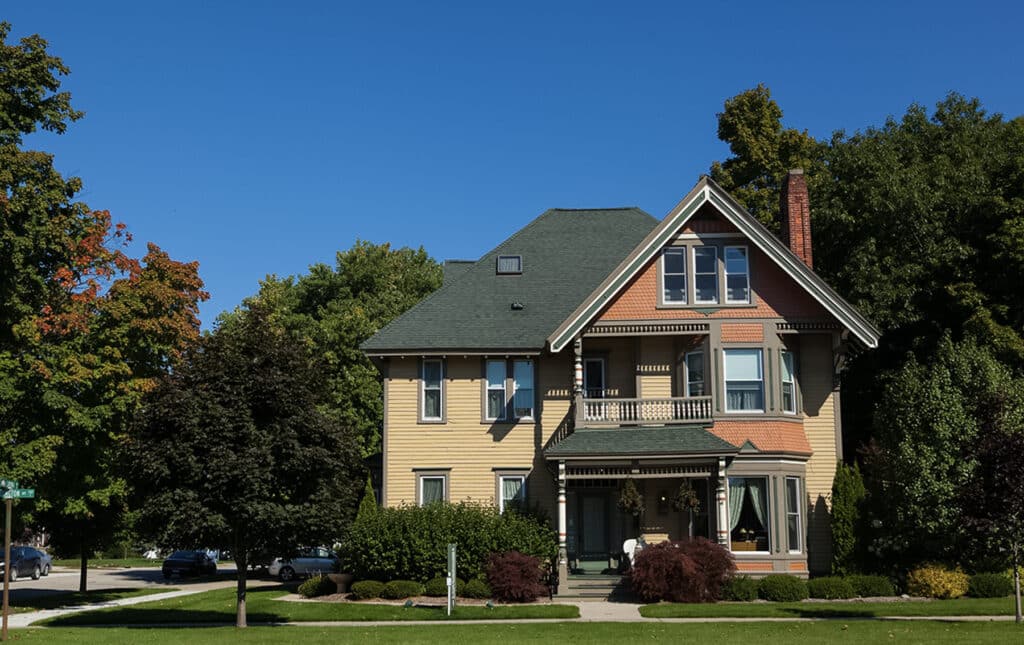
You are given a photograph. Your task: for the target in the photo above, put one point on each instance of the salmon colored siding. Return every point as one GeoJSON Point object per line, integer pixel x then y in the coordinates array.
{"type": "Point", "coordinates": [742, 333]}
{"type": "Point", "coordinates": [767, 436]}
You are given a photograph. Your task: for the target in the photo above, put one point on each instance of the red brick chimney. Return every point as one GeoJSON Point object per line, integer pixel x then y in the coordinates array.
{"type": "Point", "coordinates": [795, 210]}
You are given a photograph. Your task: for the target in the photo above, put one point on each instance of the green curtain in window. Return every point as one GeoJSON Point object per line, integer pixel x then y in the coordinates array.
{"type": "Point", "coordinates": [758, 499]}
{"type": "Point", "coordinates": [737, 488]}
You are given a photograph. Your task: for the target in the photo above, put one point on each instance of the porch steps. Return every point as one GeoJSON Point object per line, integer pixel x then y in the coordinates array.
{"type": "Point", "coordinates": [592, 586]}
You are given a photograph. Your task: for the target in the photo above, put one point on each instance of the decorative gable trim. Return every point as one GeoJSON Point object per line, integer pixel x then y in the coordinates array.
{"type": "Point", "coordinates": [708, 191]}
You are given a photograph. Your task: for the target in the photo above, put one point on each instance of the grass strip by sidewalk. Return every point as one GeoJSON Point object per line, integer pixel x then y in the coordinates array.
{"type": "Point", "coordinates": [218, 606]}
{"type": "Point", "coordinates": [73, 598]}
{"type": "Point", "coordinates": [837, 632]}
{"type": "Point", "coordinates": [837, 609]}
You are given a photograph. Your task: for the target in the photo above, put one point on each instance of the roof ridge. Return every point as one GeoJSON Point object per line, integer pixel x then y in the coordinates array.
{"type": "Point", "coordinates": [603, 208]}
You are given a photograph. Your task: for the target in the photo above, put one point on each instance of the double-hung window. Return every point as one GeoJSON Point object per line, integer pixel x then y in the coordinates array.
{"type": "Point", "coordinates": [695, 374]}
{"type": "Point", "coordinates": [673, 275]}
{"type": "Point", "coordinates": [496, 400]}
{"type": "Point", "coordinates": [512, 492]}
{"type": "Point", "coordinates": [737, 275]}
{"type": "Point", "coordinates": [744, 380]}
{"type": "Point", "coordinates": [522, 397]}
{"type": "Point", "coordinates": [788, 384]}
{"type": "Point", "coordinates": [432, 488]}
{"type": "Point", "coordinates": [794, 527]}
{"type": "Point", "coordinates": [432, 395]}
{"type": "Point", "coordinates": [705, 274]}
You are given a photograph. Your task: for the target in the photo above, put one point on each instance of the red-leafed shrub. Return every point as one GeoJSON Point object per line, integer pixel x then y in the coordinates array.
{"type": "Point", "coordinates": [692, 571]}
{"type": "Point", "coordinates": [515, 577]}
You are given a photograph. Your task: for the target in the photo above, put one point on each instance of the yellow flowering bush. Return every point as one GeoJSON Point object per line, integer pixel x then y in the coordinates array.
{"type": "Point", "coordinates": [937, 581]}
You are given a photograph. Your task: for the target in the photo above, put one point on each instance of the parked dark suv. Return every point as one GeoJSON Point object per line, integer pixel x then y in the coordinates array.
{"type": "Point", "coordinates": [189, 563]}
{"type": "Point", "coordinates": [26, 562]}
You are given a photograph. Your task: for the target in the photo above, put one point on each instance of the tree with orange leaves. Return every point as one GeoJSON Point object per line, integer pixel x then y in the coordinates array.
{"type": "Point", "coordinates": [85, 329]}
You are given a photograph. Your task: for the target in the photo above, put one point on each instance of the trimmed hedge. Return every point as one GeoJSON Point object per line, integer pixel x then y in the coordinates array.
{"type": "Point", "coordinates": [989, 585]}
{"type": "Point", "coordinates": [317, 586]}
{"type": "Point", "coordinates": [937, 581]}
{"type": "Point", "coordinates": [411, 542]}
{"type": "Point", "coordinates": [367, 589]}
{"type": "Point", "coordinates": [740, 588]}
{"type": "Point", "coordinates": [871, 586]}
{"type": "Point", "coordinates": [690, 571]}
{"type": "Point", "coordinates": [477, 589]}
{"type": "Point", "coordinates": [780, 587]}
{"type": "Point", "coordinates": [830, 588]}
{"type": "Point", "coordinates": [399, 589]}
{"type": "Point", "coordinates": [438, 587]}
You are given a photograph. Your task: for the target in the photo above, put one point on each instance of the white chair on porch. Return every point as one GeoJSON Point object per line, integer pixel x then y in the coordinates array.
{"type": "Point", "coordinates": [629, 548]}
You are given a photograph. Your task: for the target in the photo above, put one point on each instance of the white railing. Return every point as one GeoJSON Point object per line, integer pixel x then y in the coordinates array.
{"type": "Point", "coordinates": [629, 411]}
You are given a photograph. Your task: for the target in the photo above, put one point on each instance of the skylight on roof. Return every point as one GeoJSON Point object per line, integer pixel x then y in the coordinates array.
{"type": "Point", "coordinates": [510, 264]}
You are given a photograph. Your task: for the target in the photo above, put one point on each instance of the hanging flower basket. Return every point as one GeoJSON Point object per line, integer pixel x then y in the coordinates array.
{"type": "Point", "coordinates": [630, 499]}
{"type": "Point", "coordinates": [686, 498]}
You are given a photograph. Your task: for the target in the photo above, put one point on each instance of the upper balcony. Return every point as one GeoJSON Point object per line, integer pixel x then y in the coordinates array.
{"type": "Point", "coordinates": [596, 411]}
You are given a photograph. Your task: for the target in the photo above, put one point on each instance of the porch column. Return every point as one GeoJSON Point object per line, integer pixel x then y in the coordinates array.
{"type": "Point", "coordinates": [577, 380]}
{"type": "Point", "coordinates": [723, 505]}
{"type": "Point", "coordinates": [563, 551]}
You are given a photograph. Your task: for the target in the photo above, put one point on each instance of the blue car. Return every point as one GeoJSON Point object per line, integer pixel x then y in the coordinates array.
{"type": "Point", "coordinates": [25, 561]}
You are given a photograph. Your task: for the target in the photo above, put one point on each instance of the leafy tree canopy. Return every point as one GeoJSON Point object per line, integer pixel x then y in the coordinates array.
{"type": "Point", "coordinates": [336, 309]}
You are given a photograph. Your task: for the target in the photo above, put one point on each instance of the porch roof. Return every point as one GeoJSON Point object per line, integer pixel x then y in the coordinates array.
{"type": "Point", "coordinates": [641, 440]}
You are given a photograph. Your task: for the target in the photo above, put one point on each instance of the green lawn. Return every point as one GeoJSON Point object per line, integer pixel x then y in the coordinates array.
{"type": "Point", "coordinates": [905, 633]}
{"type": "Point", "coordinates": [957, 607]}
{"type": "Point", "coordinates": [71, 598]}
{"type": "Point", "coordinates": [219, 607]}
{"type": "Point", "coordinates": [108, 563]}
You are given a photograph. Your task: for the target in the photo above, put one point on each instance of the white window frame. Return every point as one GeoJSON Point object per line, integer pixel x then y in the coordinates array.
{"type": "Point", "coordinates": [424, 389]}
{"type": "Point", "coordinates": [503, 415]}
{"type": "Point", "coordinates": [680, 250]}
{"type": "Point", "coordinates": [794, 513]}
{"type": "Point", "coordinates": [791, 382]}
{"type": "Point", "coordinates": [746, 274]}
{"type": "Point", "coordinates": [516, 388]}
{"type": "Point", "coordinates": [704, 372]}
{"type": "Point", "coordinates": [714, 273]}
{"type": "Point", "coordinates": [425, 476]}
{"type": "Point", "coordinates": [501, 490]}
{"type": "Point", "coordinates": [725, 378]}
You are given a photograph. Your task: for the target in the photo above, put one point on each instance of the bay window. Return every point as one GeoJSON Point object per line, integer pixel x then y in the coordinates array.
{"type": "Point", "coordinates": [749, 514]}
{"type": "Point", "coordinates": [744, 380]}
{"type": "Point", "coordinates": [788, 384]}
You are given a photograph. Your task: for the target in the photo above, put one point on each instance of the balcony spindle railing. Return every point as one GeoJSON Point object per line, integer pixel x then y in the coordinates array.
{"type": "Point", "coordinates": [601, 411]}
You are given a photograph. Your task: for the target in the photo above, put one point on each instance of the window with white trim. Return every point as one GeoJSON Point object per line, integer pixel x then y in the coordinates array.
{"type": "Point", "coordinates": [737, 275]}
{"type": "Point", "coordinates": [695, 374]}
{"type": "Point", "coordinates": [593, 378]}
{"type": "Point", "coordinates": [705, 274]}
{"type": "Point", "coordinates": [432, 394]}
{"type": "Point", "coordinates": [673, 275]}
{"type": "Point", "coordinates": [432, 488]}
{"type": "Point", "coordinates": [744, 380]}
{"type": "Point", "coordinates": [794, 525]}
{"type": "Point", "coordinates": [496, 401]}
{"type": "Point", "coordinates": [512, 489]}
{"type": "Point", "coordinates": [749, 514]}
{"type": "Point", "coordinates": [522, 394]}
{"type": "Point", "coordinates": [788, 384]}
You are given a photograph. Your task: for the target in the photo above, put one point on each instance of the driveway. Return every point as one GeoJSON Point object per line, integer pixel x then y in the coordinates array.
{"type": "Point", "coordinates": [63, 580]}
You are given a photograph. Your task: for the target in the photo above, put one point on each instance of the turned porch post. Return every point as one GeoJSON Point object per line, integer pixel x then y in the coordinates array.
{"type": "Point", "coordinates": [723, 505]}
{"type": "Point", "coordinates": [563, 551]}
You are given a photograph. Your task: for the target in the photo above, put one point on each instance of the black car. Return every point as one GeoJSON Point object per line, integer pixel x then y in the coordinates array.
{"type": "Point", "coordinates": [189, 563]}
{"type": "Point", "coordinates": [26, 562]}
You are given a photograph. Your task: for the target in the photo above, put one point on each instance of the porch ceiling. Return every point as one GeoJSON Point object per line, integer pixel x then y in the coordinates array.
{"type": "Point", "coordinates": [680, 441]}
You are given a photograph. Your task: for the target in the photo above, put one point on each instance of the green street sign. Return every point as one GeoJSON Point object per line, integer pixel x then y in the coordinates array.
{"type": "Point", "coordinates": [8, 483]}
{"type": "Point", "coordinates": [20, 493]}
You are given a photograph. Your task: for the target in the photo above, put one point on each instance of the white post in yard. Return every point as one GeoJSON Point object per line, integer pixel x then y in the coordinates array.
{"type": "Point", "coordinates": [723, 505]}
{"type": "Point", "coordinates": [563, 551]}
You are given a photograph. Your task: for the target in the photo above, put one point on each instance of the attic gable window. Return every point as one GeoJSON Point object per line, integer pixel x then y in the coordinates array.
{"type": "Point", "coordinates": [510, 264]}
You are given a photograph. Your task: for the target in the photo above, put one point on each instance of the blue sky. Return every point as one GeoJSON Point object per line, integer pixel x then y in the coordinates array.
{"type": "Point", "coordinates": [261, 137]}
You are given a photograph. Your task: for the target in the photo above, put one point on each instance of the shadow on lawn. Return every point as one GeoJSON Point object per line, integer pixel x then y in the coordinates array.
{"type": "Point", "coordinates": [827, 612]}
{"type": "Point", "coordinates": [131, 616]}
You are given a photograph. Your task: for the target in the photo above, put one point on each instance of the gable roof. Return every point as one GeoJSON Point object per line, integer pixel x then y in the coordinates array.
{"type": "Point", "coordinates": [566, 254]}
{"type": "Point", "coordinates": [707, 191]}
{"type": "Point", "coordinates": [641, 440]}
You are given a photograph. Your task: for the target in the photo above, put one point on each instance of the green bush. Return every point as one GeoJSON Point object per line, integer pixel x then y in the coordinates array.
{"type": "Point", "coordinates": [438, 587]}
{"type": "Point", "coordinates": [989, 585]}
{"type": "Point", "coordinates": [411, 542]}
{"type": "Point", "coordinates": [780, 587]}
{"type": "Point", "coordinates": [848, 493]}
{"type": "Point", "coordinates": [477, 588]}
{"type": "Point", "coordinates": [871, 586]}
{"type": "Point", "coordinates": [367, 589]}
{"type": "Point", "coordinates": [937, 581]}
{"type": "Point", "coordinates": [830, 588]}
{"type": "Point", "coordinates": [742, 588]}
{"type": "Point", "coordinates": [317, 586]}
{"type": "Point", "coordinates": [398, 589]}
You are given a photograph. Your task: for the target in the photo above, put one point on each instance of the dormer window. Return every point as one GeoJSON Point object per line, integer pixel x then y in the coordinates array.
{"type": "Point", "coordinates": [705, 274]}
{"type": "Point", "coordinates": [510, 264]}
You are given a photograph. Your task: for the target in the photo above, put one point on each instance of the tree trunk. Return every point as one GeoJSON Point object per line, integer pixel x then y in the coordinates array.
{"type": "Point", "coordinates": [1016, 584]}
{"type": "Point", "coordinates": [242, 564]}
{"type": "Point", "coordinates": [83, 576]}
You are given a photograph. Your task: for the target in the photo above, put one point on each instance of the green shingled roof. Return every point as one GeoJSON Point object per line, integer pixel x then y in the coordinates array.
{"type": "Point", "coordinates": [643, 440]}
{"type": "Point", "coordinates": [566, 255]}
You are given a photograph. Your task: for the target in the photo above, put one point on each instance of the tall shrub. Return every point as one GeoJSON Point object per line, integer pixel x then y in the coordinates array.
{"type": "Point", "coordinates": [848, 494]}
{"type": "Point", "coordinates": [693, 571]}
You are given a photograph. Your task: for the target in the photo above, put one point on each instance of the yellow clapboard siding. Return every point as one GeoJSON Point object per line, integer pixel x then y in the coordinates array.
{"type": "Point", "coordinates": [820, 428]}
{"type": "Point", "coordinates": [655, 368]}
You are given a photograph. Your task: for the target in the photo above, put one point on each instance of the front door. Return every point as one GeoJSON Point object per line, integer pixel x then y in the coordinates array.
{"type": "Point", "coordinates": [593, 525]}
